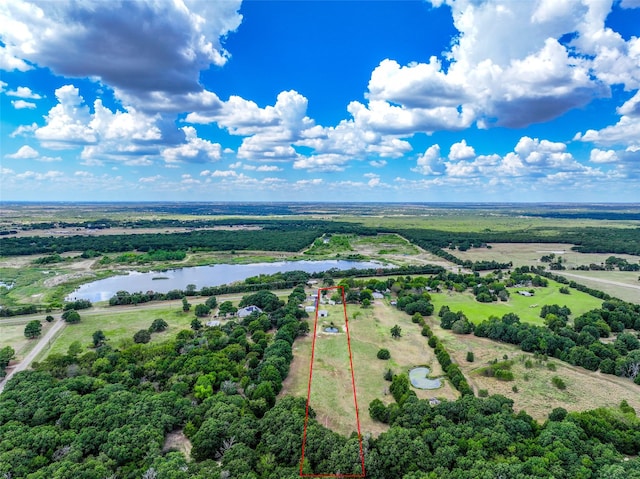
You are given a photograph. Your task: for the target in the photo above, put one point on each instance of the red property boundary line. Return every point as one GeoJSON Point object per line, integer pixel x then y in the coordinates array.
{"type": "Point", "coordinates": [353, 385]}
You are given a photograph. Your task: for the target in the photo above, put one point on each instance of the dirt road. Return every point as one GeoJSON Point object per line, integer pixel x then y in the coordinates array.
{"type": "Point", "coordinates": [601, 280]}
{"type": "Point", "coordinates": [26, 362]}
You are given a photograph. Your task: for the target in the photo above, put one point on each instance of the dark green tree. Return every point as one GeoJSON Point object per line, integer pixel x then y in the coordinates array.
{"type": "Point", "coordinates": [186, 306]}
{"type": "Point", "coordinates": [396, 331]}
{"type": "Point", "coordinates": [98, 338]}
{"type": "Point", "coordinates": [142, 336]}
{"type": "Point", "coordinates": [71, 316]}
{"type": "Point", "coordinates": [33, 329]}
{"type": "Point", "coordinates": [202, 310]}
{"type": "Point", "coordinates": [158, 325]}
{"type": "Point", "coordinates": [196, 324]}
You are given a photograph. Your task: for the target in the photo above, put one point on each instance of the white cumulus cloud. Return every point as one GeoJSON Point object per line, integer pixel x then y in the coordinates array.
{"type": "Point", "coordinates": [138, 48]}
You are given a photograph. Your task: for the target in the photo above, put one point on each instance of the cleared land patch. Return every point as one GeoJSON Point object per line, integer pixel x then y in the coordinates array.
{"type": "Point", "coordinates": [527, 308]}
{"type": "Point", "coordinates": [536, 393]}
{"type": "Point", "coordinates": [370, 331]}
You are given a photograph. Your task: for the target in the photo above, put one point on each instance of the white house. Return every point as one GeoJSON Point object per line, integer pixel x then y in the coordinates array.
{"type": "Point", "coordinates": [244, 312]}
{"type": "Point", "coordinates": [212, 323]}
{"type": "Point", "coordinates": [377, 295]}
{"type": "Point", "coordinates": [309, 309]}
{"type": "Point", "coordinates": [525, 293]}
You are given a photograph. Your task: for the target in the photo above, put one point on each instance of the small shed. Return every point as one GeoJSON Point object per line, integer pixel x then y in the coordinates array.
{"type": "Point", "coordinates": [323, 313]}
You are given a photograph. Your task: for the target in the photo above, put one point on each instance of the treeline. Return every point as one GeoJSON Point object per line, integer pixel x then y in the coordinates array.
{"type": "Point", "coordinates": [452, 370]}
{"type": "Point", "coordinates": [586, 239]}
{"type": "Point", "coordinates": [276, 235]}
{"type": "Point", "coordinates": [293, 235]}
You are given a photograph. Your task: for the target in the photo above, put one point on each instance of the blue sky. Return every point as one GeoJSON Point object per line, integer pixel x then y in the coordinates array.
{"type": "Point", "coordinates": [472, 100]}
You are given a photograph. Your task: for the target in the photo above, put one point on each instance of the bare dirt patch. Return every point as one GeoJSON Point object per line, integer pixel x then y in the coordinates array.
{"type": "Point", "coordinates": [177, 441]}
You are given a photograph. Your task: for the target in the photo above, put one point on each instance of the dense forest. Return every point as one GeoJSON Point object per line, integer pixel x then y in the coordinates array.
{"type": "Point", "coordinates": [105, 413]}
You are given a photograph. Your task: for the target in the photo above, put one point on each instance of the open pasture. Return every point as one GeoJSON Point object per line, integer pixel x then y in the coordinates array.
{"type": "Point", "coordinates": [332, 397]}
{"type": "Point", "coordinates": [118, 324]}
{"type": "Point", "coordinates": [535, 392]}
{"type": "Point", "coordinates": [529, 254]}
{"type": "Point", "coordinates": [527, 308]}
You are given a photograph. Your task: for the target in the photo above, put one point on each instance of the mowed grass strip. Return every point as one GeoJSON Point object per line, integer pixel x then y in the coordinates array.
{"type": "Point", "coordinates": [527, 308]}
{"type": "Point", "coordinates": [332, 396]}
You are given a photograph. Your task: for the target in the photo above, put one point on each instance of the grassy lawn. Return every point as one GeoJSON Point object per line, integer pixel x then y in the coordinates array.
{"type": "Point", "coordinates": [120, 325]}
{"type": "Point", "coordinates": [13, 335]}
{"type": "Point", "coordinates": [536, 393]}
{"type": "Point", "coordinates": [527, 308]}
{"type": "Point", "coordinates": [331, 392]}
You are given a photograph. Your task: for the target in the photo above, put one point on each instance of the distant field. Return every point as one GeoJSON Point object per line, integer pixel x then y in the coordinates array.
{"type": "Point", "coordinates": [527, 308]}
{"type": "Point", "coordinates": [619, 284]}
{"type": "Point", "coordinates": [332, 400]}
{"type": "Point", "coordinates": [530, 253]}
{"type": "Point", "coordinates": [536, 394]}
{"type": "Point", "coordinates": [463, 221]}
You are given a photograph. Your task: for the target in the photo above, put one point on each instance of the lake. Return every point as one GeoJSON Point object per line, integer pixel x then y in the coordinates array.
{"type": "Point", "coordinates": [214, 275]}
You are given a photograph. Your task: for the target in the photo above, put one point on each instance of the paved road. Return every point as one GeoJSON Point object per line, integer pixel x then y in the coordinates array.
{"type": "Point", "coordinates": [26, 362]}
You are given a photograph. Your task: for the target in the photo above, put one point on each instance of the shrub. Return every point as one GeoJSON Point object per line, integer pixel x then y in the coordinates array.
{"type": "Point", "coordinates": [514, 389]}
{"type": "Point", "coordinates": [158, 325]}
{"type": "Point", "coordinates": [142, 336]}
{"type": "Point", "coordinates": [470, 356]}
{"type": "Point", "coordinates": [384, 354]}
{"type": "Point", "coordinates": [388, 376]}
{"type": "Point", "coordinates": [483, 393]}
{"type": "Point", "coordinates": [49, 318]}
{"type": "Point", "coordinates": [504, 375]}
{"type": "Point", "coordinates": [378, 411]}
{"type": "Point", "coordinates": [558, 382]}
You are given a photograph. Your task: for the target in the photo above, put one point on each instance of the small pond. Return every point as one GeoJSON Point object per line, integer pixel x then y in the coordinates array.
{"type": "Point", "coordinates": [419, 379]}
{"type": "Point", "coordinates": [215, 275]}
{"type": "Point", "coordinates": [331, 329]}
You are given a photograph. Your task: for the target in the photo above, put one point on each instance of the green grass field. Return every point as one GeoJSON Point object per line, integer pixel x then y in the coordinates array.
{"type": "Point", "coordinates": [527, 308]}
{"type": "Point", "coordinates": [331, 394]}
{"type": "Point", "coordinates": [13, 335]}
{"type": "Point", "coordinates": [120, 325]}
